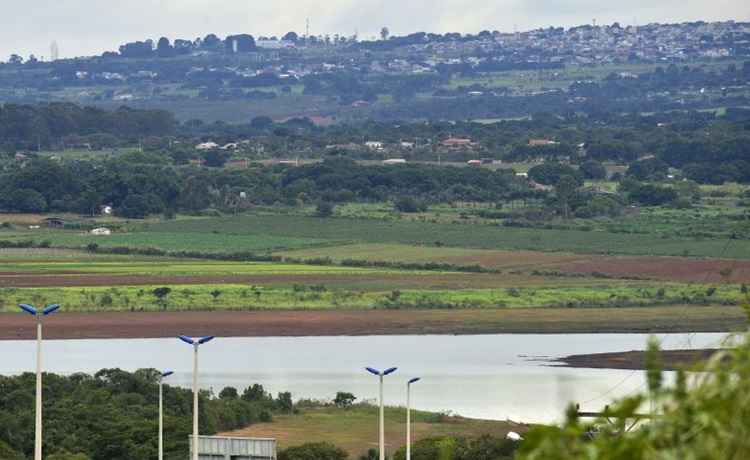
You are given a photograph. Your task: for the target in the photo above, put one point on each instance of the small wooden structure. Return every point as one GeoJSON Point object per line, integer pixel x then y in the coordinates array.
{"type": "Point", "coordinates": [54, 222]}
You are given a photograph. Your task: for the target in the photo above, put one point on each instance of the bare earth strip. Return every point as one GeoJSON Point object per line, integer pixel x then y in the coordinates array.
{"type": "Point", "coordinates": [681, 269]}
{"type": "Point", "coordinates": [665, 268]}
{"type": "Point", "coordinates": [353, 280]}
{"type": "Point", "coordinates": [377, 322]}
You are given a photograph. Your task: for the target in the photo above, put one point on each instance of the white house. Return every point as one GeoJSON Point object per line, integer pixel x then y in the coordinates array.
{"type": "Point", "coordinates": [207, 146]}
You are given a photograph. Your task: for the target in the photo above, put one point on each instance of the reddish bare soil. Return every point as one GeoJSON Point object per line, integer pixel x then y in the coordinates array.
{"type": "Point", "coordinates": [665, 268]}
{"type": "Point", "coordinates": [376, 322]}
{"type": "Point", "coordinates": [352, 280]}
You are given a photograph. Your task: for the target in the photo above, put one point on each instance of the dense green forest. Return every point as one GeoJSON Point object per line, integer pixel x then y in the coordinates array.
{"type": "Point", "coordinates": [139, 184]}
{"type": "Point", "coordinates": [113, 414]}
{"type": "Point", "coordinates": [42, 125]}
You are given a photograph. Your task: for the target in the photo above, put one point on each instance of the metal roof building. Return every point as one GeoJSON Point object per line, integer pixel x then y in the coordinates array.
{"type": "Point", "coordinates": [224, 448]}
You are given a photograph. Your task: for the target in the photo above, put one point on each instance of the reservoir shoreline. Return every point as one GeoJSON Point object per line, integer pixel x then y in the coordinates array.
{"type": "Point", "coordinates": [312, 323]}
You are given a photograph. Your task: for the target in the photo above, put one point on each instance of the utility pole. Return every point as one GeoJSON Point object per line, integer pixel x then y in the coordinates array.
{"type": "Point", "coordinates": [39, 314]}
{"type": "Point", "coordinates": [161, 412]}
{"type": "Point", "coordinates": [195, 343]}
{"type": "Point", "coordinates": [408, 416]}
{"type": "Point", "coordinates": [381, 375]}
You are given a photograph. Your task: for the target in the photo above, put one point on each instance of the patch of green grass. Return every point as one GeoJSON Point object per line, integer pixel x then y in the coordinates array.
{"type": "Point", "coordinates": [356, 429]}
{"type": "Point", "coordinates": [189, 238]}
{"type": "Point", "coordinates": [320, 297]}
{"type": "Point", "coordinates": [424, 254]}
{"type": "Point", "coordinates": [456, 235]}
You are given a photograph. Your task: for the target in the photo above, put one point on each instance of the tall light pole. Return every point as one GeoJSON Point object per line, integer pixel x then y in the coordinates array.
{"type": "Point", "coordinates": [39, 314]}
{"type": "Point", "coordinates": [382, 412]}
{"type": "Point", "coordinates": [161, 412]}
{"type": "Point", "coordinates": [408, 416]}
{"type": "Point", "coordinates": [195, 343]}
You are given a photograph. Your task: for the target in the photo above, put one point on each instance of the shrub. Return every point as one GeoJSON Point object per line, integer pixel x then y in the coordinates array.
{"type": "Point", "coordinates": [324, 209]}
{"type": "Point", "coordinates": [313, 451]}
{"type": "Point", "coordinates": [408, 204]}
{"type": "Point", "coordinates": [161, 294]}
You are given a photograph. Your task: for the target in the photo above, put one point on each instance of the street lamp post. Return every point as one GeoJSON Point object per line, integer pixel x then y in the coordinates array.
{"type": "Point", "coordinates": [39, 314]}
{"type": "Point", "coordinates": [382, 412]}
{"type": "Point", "coordinates": [195, 343]}
{"type": "Point", "coordinates": [408, 416]}
{"type": "Point", "coordinates": [161, 412]}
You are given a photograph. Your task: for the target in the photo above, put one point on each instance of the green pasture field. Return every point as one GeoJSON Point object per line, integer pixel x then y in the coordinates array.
{"type": "Point", "coordinates": [172, 240]}
{"type": "Point", "coordinates": [340, 230]}
{"type": "Point", "coordinates": [533, 80]}
{"type": "Point", "coordinates": [355, 429]}
{"type": "Point", "coordinates": [201, 297]}
{"type": "Point", "coordinates": [20, 257]}
{"type": "Point", "coordinates": [506, 260]}
{"type": "Point", "coordinates": [237, 110]}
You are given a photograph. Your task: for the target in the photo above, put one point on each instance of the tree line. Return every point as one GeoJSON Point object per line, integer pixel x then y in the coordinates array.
{"type": "Point", "coordinates": [44, 125]}
{"type": "Point", "coordinates": [138, 184]}
{"type": "Point", "coordinates": [114, 414]}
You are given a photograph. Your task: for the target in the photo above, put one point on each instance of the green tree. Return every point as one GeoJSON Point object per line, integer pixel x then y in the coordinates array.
{"type": "Point", "coordinates": [28, 200]}
{"type": "Point", "coordinates": [284, 402]}
{"type": "Point", "coordinates": [255, 392]}
{"type": "Point", "coordinates": [229, 393]}
{"type": "Point", "coordinates": [344, 399]}
{"type": "Point", "coordinates": [593, 170]}
{"type": "Point", "coordinates": [161, 294]}
{"type": "Point", "coordinates": [135, 206]}
{"type": "Point", "coordinates": [313, 451]}
{"type": "Point", "coordinates": [565, 191]}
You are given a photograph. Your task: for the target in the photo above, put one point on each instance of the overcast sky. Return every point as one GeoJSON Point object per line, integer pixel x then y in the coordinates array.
{"type": "Point", "coordinates": [85, 27]}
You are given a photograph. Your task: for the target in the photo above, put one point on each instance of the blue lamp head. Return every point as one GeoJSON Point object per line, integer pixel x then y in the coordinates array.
{"type": "Point", "coordinates": [187, 339]}
{"type": "Point", "coordinates": [415, 380]}
{"type": "Point", "coordinates": [390, 371]}
{"type": "Point", "coordinates": [49, 309]}
{"type": "Point", "coordinates": [166, 374]}
{"type": "Point", "coordinates": [372, 370]}
{"type": "Point", "coordinates": [28, 309]}
{"type": "Point", "coordinates": [206, 339]}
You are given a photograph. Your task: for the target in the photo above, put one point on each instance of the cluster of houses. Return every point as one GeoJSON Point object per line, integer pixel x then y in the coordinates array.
{"type": "Point", "coordinates": [290, 61]}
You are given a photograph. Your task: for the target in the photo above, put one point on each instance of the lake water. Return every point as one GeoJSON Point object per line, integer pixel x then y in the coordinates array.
{"type": "Point", "coordinates": [483, 376]}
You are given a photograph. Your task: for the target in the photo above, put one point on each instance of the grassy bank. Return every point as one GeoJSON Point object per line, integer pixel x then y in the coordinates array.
{"type": "Point", "coordinates": [356, 429]}
{"type": "Point", "coordinates": [320, 297]}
